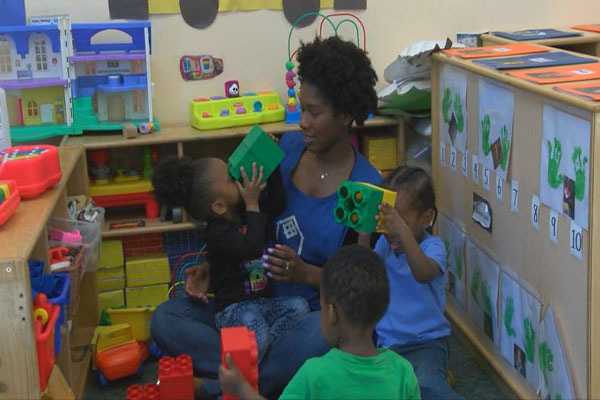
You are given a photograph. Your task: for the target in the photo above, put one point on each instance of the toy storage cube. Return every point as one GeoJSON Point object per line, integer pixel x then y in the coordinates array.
{"type": "Point", "coordinates": [257, 147]}
{"type": "Point", "coordinates": [143, 296]}
{"type": "Point", "coordinates": [138, 319]}
{"type": "Point", "coordinates": [116, 298]}
{"type": "Point", "coordinates": [358, 205]}
{"type": "Point", "coordinates": [147, 269]}
{"type": "Point", "coordinates": [111, 255]}
{"type": "Point", "coordinates": [240, 342]}
{"type": "Point", "coordinates": [381, 151]}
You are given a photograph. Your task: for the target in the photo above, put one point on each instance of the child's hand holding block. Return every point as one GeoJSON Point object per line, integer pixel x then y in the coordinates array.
{"type": "Point", "coordinates": [240, 343]}
{"type": "Point", "coordinates": [256, 147]}
{"type": "Point", "coordinates": [358, 204]}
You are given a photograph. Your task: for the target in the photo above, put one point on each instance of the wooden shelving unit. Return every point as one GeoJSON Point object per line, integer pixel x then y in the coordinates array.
{"type": "Point", "coordinates": [24, 237]}
{"type": "Point", "coordinates": [186, 140]}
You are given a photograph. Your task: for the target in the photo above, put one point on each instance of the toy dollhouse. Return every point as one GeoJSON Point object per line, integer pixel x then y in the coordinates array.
{"type": "Point", "coordinates": [65, 79]}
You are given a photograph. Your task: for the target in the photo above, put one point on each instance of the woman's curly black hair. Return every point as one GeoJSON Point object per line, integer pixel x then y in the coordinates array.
{"type": "Point", "coordinates": [343, 74]}
{"type": "Point", "coordinates": [183, 182]}
{"type": "Point", "coordinates": [355, 280]}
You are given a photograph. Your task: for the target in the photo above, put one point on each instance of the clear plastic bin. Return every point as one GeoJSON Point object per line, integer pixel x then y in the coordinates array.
{"type": "Point", "coordinates": [91, 234]}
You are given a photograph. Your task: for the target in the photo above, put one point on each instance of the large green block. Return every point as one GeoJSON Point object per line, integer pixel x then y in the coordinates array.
{"type": "Point", "coordinates": [256, 147]}
{"type": "Point", "coordinates": [358, 204]}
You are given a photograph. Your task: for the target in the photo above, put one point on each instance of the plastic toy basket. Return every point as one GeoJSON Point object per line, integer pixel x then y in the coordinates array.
{"type": "Point", "coordinates": [75, 270]}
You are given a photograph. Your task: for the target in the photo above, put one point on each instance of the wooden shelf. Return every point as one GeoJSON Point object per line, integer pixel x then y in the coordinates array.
{"type": "Point", "coordinates": [152, 226]}
{"type": "Point", "coordinates": [186, 133]}
{"type": "Point", "coordinates": [81, 340]}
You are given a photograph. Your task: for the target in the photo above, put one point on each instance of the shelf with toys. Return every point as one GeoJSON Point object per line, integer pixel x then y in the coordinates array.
{"type": "Point", "coordinates": [24, 237]}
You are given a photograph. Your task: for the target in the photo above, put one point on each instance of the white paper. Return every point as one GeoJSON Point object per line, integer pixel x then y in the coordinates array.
{"type": "Point", "coordinates": [482, 288]}
{"type": "Point", "coordinates": [485, 179]}
{"type": "Point", "coordinates": [553, 227]}
{"type": "Point", "coordinates": [520, 320]}
{"type": "Point", "coordinates": [453, 158]}
{"type": "Point", "coordinates": [454, 238]}
{"type": "Point", "coordinates": [496, 112]}
{"type": "Point", "coordinates": [499, 188]}
{"type": "Point", "coordinates": [4, 124]}
{"type": "Point", "coordinates": [443, 153]}
{"type": "Point", "coordinates": [465, 164]}
{"type": "Point", "coordinates": [453, 107]}
{"type": "Point", "coordinates": [514, 196]}
{"type": "Point", "coordinates": [576, 240]}
{"type": "Point", "coordinates": [565, 155]}
{"type": "Point", "coordinates": [535, 212]}
{"type": "Point", "coordinates": [475, 168]}
{"type": "Point", "coordinates": [555, 378]}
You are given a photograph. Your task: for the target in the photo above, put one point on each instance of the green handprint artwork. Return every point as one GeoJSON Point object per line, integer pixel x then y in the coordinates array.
{"type": "Point", "coordinates": [457, 262]}
{"type": "Point", "coordinates": [554, 155]}
{"type": "Point", "coordinates": [529, 340]}
{"type": "Point", "coordinates": [505, 144]}
{"type": "Point", "coordinates": [485, 135]}
{"type": "Point", "coordinates": [579, 166]}
{"type": "Point", "coordinates": [546, 360]}
{"type": "Point", "coordinates": [458, 114]}
{"type": "Point", "coordinates": [487, 301]}
{"type": "Point", "coordinates": [446, 103]}
{"type": "Point", "coordinates": [475, 280]}
{"type": "Point", "coordinates": [508, 316]}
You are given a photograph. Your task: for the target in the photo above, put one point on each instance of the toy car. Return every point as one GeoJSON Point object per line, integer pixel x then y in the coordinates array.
{"type": "Point", "coordinates": [117, 354]}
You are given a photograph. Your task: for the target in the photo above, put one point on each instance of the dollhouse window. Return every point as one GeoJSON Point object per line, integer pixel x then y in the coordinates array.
{"type": "Point", "coordinates": [32, 108]}
{"type": "Point", "coordinates": [41, 57]}
{"type": "Point", "coordinates": [90, 68]}
{"type": "Point", "coordinates": [138, 101]}
{"type": "Point", "coordinates": [5, 61]}
{"type": "Point", "coordinates": [136, 66]}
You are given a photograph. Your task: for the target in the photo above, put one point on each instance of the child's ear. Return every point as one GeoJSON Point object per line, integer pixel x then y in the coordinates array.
{"type": "Point", "coordinates": [218, 207]}
{"type": "Point", "coordinates": [332, 314]}
{"type": "Point", "coordinates": [426, 218]}
{"type": "Point", "coordinates": [346, 119]}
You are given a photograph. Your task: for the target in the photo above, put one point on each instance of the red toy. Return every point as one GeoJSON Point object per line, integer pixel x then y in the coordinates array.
{"type": "Point", "coordinates": [240, 342]}
{"type": "Point", "coordinates": [45, 315]}
{"type": "Point", "coordinates": [9, 200]}
{"type": "Point", "coordinates": [147, 392]}
{"type": "Point", "coordinates": [33, 168]}
{"type": "Point", "coordinates": [117, 354]}
{"type": "Point", "coordinates": [175, 377]}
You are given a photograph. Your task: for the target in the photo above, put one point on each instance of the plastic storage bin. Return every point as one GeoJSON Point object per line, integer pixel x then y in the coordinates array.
{"type": "Point", "coordinates": [138, 319]}
{"type": "Point", "coordinates": [44, 328]}
{"type": "Point", "coordinates": [91, 239]}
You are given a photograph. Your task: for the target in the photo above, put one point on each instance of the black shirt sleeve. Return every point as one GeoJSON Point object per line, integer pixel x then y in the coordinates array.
{"type": "Point", "coordinates": [226, 237]}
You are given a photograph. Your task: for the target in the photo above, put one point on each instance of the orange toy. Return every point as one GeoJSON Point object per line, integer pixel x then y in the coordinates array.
{"type": "Point", "coordinates": [175, 378]}
{"type": "Point", "coordinates": [9, 200]}
{"type": "Point", "coordinates": [45, 315]}
{"type": "Point", "coordinates": [117, 355]}
{"type": "Point", "coordinates": [240, 342]}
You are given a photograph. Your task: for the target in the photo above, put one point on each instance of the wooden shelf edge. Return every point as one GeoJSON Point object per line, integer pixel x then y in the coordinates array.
{"type": "Point", "coordinates": [487, 349]}
{"type": "Point", "coordinates": [155, 228]}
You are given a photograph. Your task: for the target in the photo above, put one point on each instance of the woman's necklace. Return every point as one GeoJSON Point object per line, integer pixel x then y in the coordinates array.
{"type": "Point", "coordinates": [324, 175]}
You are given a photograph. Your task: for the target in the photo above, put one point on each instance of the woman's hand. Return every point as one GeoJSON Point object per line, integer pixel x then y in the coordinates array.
{"type": "Point", "coordinates": [285, 265]}
{"type": "Point", "coordinates": [250, 190]}
{"type": "Point", "coordinates": [197, 281]}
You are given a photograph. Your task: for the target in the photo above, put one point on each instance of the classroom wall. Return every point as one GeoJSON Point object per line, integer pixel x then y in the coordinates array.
{"type": "Point", "coordinates": [253, 44]}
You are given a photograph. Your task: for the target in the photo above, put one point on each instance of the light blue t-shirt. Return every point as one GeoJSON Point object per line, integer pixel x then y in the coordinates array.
{"type": "Point", "coordinates": [416, 310]}
{"type": "Point", "coordinates": [307, 224]}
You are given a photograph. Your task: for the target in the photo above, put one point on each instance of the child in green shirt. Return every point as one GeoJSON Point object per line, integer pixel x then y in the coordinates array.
{"type": "Point", "coordinates": [354, 296]}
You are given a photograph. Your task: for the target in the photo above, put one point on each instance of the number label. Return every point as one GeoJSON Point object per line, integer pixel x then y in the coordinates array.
{"type": "Point", "coordinates": [453, 160]}
{"type": "Point", "coordinates": [553, 226]}
{"type": "Point", "coordinates": [475, 168]}
{"type": "Point", "coordinates": [535, 212]}
{"type": "Point", "coordinates": [465, 161]}
{"type": "Point", "coordinates": [514, 201]}
{"type": "Point", "coordinates": [499, 188]}
{"type": "Point", "coordinates": [486, 179]}
{"type": "Point", "coordinates": [576, 239]}
{"type": "Point", "coordinates": [443, 153]}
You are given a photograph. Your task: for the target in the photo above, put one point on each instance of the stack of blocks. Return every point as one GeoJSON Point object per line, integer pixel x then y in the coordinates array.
{"type": "Point", "coordinates": [256, 147]}
{"type": "Point", "coordinates": [240, 343]}
{"type": "Point", "coordinates": [147, 279]}
{"type": "Point", "coordinates": [381, 151]}
{"type": "Point", "coordinates": [358, 204]}
{"type": "Point", "coordinates": [147, 392]}
{"type": "Point", "coordinates": [175, 377]}
{"type": "Point", "coordinates": [111, 276]}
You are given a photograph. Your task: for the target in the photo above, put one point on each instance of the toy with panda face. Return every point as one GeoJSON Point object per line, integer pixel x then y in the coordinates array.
{"type": "Point", "coordinates": [232, 89]}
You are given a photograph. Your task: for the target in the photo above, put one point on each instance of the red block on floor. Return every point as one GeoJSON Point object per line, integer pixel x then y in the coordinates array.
{"type": "Point", "coordinates": [176, 378]}
{"type": "Point", "coordinates": [146, 392]}
{"type": "Point", "coordinates": [240, 342]}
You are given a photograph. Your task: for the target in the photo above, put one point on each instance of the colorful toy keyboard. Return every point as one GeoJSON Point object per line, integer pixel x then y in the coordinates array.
{"type": "Point", "coordinates": [248, 109]}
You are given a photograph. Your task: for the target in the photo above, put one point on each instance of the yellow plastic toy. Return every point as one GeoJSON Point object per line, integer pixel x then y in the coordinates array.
{"type": "Point", "coordinates": [248, 109]}
{"type": "Point", "coordinates": [138, 319]}
{"type": "Point", "coordinates": [149, 269]}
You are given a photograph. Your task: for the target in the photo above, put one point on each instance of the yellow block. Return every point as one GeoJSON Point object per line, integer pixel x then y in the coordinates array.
{"type": "Point", "coordinates": [146, 295]}
{"type": "Point", "coordinates": [108, 285]}
{"type": "Point", "coordinates": [138, 186]}
{"type": "Point", "coordinates": [111, 255]}
{"type": "Point", "coordinates": [110, 273]}
{"type": "Point", "coordinates": [148, 269]}
{"type": "Point", "coordinates": [115, 298]}
{"type": "Point", "coordinates": [380, 150]}
{"type": "Point", "coordinates": [138, 318]}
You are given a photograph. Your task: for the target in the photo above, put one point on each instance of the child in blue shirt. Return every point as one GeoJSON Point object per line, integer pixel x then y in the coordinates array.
{"type": "Point", "coordinates": [414, 325]}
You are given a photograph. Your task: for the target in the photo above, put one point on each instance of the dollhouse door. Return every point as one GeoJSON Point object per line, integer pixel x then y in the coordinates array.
{"type": "Point", "coordinates": [46, 113]}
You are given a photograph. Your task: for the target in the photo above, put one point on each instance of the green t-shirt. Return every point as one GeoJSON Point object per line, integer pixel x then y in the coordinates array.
{"type": "Point", "coordinates": [339, 375]}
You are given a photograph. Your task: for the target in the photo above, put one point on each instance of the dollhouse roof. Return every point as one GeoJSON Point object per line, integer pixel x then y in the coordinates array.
{"type": "Point", "coordinates": [20, 35]}
{"type": "Point", "coordinates": [83, 32]}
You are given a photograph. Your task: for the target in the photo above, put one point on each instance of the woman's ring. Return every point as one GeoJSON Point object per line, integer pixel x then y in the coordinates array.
{"type": "Point", "coordinates": [287, 265]}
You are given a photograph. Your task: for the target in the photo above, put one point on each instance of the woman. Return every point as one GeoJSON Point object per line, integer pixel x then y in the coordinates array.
{"type": "Point", "coordinates": [337, 90]}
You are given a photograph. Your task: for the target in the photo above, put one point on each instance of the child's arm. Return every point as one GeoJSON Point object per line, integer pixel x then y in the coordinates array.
{"type": "Point", "coordinates": [423, 268]}
{"type": "Point", "coordinates": [232, 381]}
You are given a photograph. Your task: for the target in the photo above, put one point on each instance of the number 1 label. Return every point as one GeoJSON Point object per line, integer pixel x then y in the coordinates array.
{"type": "Point", "coordinates": [442, 153]}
